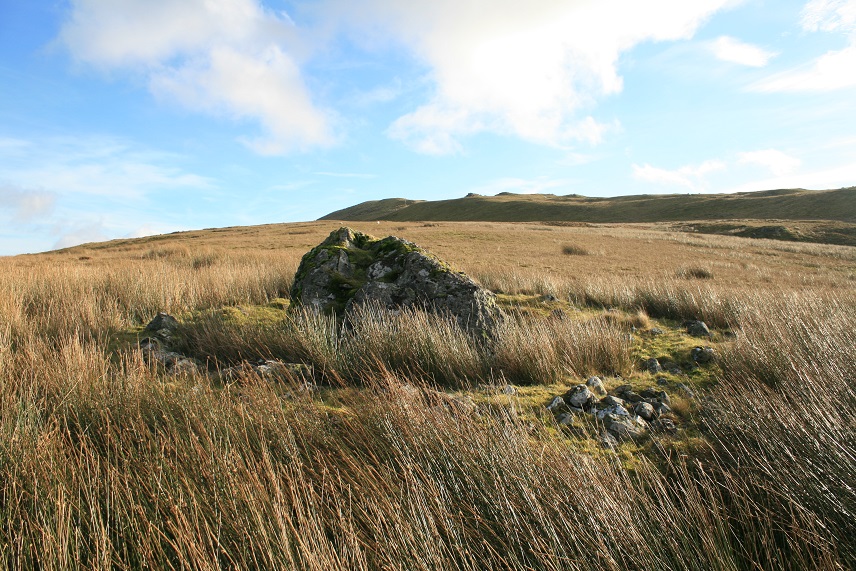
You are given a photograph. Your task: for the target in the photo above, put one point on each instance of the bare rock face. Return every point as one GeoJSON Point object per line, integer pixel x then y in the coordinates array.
{"type": "Point", "coordinates": [350, 269]}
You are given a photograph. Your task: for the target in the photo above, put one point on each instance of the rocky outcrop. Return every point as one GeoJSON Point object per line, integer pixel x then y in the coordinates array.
{"type": "Point", "coordinates": [351, 269]}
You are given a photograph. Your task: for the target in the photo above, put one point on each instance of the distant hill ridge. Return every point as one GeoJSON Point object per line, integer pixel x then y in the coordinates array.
{"type": "Point", "coordinates": [782, 204]}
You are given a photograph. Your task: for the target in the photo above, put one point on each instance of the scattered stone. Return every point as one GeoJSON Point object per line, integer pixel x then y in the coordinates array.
{"type": "Point", "coordinates": [550, 297]}
{"type": "Point", "coordinates": [624, 426]}
{"type": "Point", "coordinates": [610, 400]}
{"type": "Point", "coordinates": [614, 410]}
{"type": "Point", "coordinates": [557, 314]}
{"type": "Point", "coordinates": [662, 381]}
{"type": "Point", "coordinates": [661, 408]}
{"type": "Point", "coordinates": [162, 322]}
{"type": "Point", "coordinates": [580, 397]}
{"type": "Point", "coordinates": [596, 386]}
{"type": "Point", "coordinates": [653, 366]}
{"type": "Point", "coordinates": [565, 418]}
{"type": "Point", "coordinates": [655, 394]}
{"type": "Point", "coordinates": [656, 331]}
{"type": "Point", "coordinates": [644, 410]}
{"type": "Point", "coordinates": [702, 355]}
{"type": "Point", "coordinates": [558, 406]}
{"type": "Point", "coordinates": [509, 390]}
{"type": "Point", "coordinates": [351, 269]}
{"type": "Point", "coordinates": [676, 371]}
{"type": "Point", "coordinates": [621, 389]}
{"type": "Point", "coordinates": [697, 328]}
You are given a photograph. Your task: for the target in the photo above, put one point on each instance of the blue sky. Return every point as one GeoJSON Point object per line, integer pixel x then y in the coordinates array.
{"type": "Point", "coordinates": [122, 118]}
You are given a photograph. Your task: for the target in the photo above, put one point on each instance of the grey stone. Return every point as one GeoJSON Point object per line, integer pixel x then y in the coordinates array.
{"type": "Point", "coordinates": [703, 355]}
{"type": "Point", "coordinates": [624, 427]}
{"type": "Point", "coordinates": [656, 331]}
{"type": "Point", "coordinates": [697, 328]}
{"type": "Point", "coordinates": [610, 400]}
{"type": "Point", "coordinates": [612, 410]}
{"type": "Point", "coordinates": [661, 408]}
{"type": "Point", "coordinates": [558, 406]}
{"type": "Point", "coordinates": [656, 394]}
{"type": "Point", "coordinates": [653, 366]}
{"type": "Point", "coordinates": [579, 396]}
{"type": "Point", "coordinates": [350, 269]}
{"type": "Point", "coordinates": [644, 411]}
{"type": "Point", "coordinates": [162, 322]}
{"type": "Point", "coordinates": [509, 390]}
{"type": "Point", "coordinates": [596, 386]}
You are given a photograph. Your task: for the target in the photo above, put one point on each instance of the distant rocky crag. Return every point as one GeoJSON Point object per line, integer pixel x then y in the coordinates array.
{"type": "Point", "coordinates": [351, 269]}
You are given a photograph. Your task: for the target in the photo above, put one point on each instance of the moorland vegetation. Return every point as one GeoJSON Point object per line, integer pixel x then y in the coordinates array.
{"type": "Point", "coordinates": [414, 445]}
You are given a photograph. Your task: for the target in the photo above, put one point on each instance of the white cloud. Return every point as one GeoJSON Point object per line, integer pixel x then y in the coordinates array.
{"type": "Point", "coordinates": [834, 69]}
{"type": "Point", "coordinates": [523, 69]}
{"type": "Point", "coordinates": [25, 204]}
{"type": "Point", "coordinates": [690, 176]}
{"type": "Point", "coordinates": [776, 161]}
{"type": "Point", "coordinates": [733, 50]}
{"type": "Point", "coordinates": [231, 57]}
{"type": "Point", "coordinates": [818, 179]}
{"type": "Point", "coordinates": [829, 15]}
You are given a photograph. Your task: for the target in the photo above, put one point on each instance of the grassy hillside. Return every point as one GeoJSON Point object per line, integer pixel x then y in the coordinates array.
{"type": "Point", "coordinates": [412, 445]}
{"type": "Point", "coordinates": [792, 204]}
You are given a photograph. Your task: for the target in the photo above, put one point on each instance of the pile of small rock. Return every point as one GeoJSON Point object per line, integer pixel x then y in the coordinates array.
{"type": "Point", "coordinates": [624, 414]}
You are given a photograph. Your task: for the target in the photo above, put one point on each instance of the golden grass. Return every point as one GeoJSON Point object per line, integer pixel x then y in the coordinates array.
{"type": "Point", "coordinates": [107, 463]}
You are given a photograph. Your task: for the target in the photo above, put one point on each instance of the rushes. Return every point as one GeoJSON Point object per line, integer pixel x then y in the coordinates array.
{"type": "Point", "coordinates": [416, 343]}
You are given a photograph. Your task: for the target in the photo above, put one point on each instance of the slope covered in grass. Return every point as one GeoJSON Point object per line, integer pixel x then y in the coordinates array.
{"type": "Point", "coordinates": [792, 204]}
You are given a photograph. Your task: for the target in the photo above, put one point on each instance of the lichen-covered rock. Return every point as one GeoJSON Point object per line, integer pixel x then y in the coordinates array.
{"type": "Point", "coordinates": [351, 269]}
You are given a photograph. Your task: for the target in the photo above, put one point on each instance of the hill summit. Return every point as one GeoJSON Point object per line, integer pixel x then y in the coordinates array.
{"type": "Point", "coordinates": [783, 204]}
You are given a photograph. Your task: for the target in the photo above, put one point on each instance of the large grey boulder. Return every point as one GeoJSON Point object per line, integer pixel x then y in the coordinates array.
{"type": "Point", "coordinates": [351, 269]}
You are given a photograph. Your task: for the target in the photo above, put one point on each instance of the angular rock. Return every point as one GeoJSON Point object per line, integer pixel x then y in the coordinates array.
{"type": "Point", "coordinates": [623, 427]}
{"type": "Point", "coordinates": [351, 269]}
{"type": "Point", "coordinates": [702, 355]}
{"type": "Point", "coordinates": [697, 329]}
{"type": "Point", "coordinates": [162, 321]}
{"type": "Point", "coordinates": [653, 366]}
{"type": "Point", "coordinates": [558, 406]}
{"type": "Point", "coordinates": [596, 386]}
{"type": "Point", "coordinates": [652, 393]}
{"type": "Point", "coordinates": [644, 410]}
{"type": "Point", "coordinates": [610, 400]}
{"type": "Point", "coordinates": [613, 410]}
{"type": "Point", "coordinates": [580, 397]}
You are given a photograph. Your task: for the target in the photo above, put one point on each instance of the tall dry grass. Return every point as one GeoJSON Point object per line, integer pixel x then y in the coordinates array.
{"type": "Point", "coordinates": [107, 464]}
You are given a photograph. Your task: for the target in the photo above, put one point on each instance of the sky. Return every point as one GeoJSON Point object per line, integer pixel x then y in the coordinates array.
{"type": "Point", "coordinates": [127, 118]}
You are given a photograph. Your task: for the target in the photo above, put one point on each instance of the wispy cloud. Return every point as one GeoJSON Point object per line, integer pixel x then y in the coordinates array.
{"type": "Point", "coordinates": [346, 174]}
{"type": "Point", "coordinates": [778, 162]}
{"type": "Point", "coordinates": [25, 204]}
{"type": "Point", "coordinates": [691, 177]}
{"type": "Point", "coordinates": [61, 191]}
{"type": "Point", "coordinates": [733, 50]}
{"type": "Point", "coordinates": [834, 69]}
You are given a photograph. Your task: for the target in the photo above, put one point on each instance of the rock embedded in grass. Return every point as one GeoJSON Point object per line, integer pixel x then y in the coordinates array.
{"type": "Point", "coordinates": [702, 355]}
{"type": "Point", "coordinates": [697, 329]}
{"type": "Point", "coordinates": [351, 269]}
